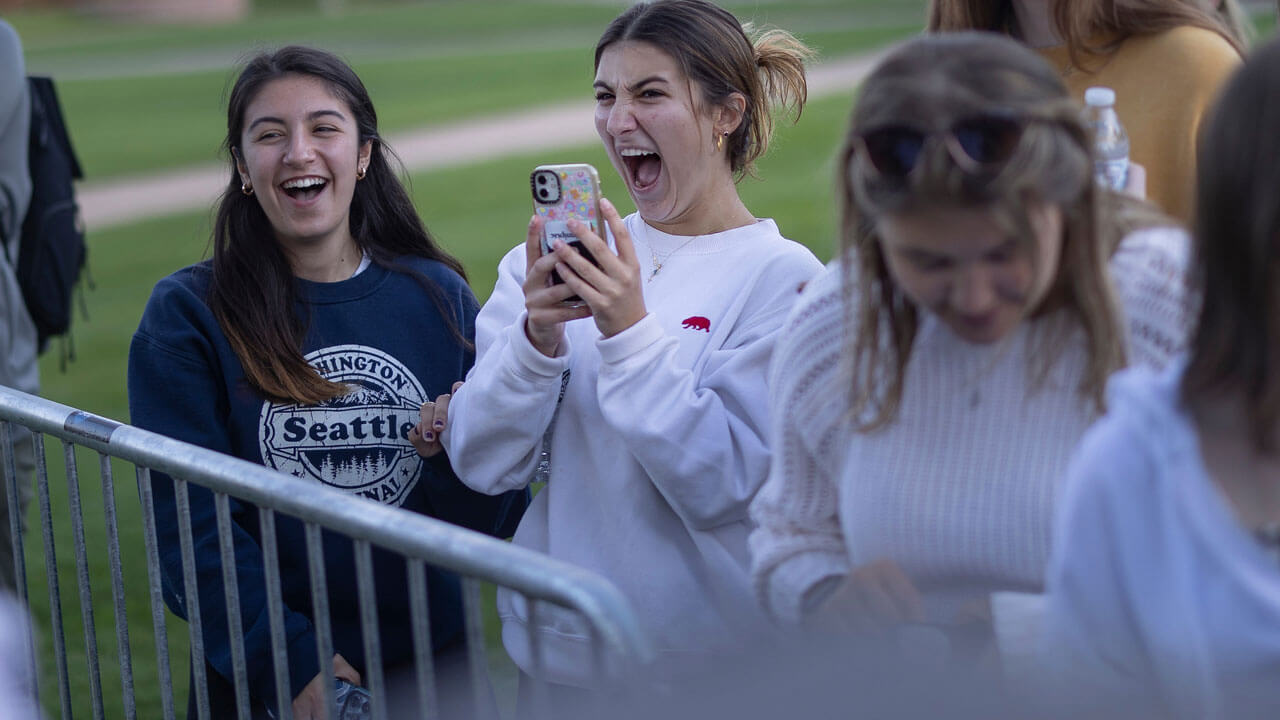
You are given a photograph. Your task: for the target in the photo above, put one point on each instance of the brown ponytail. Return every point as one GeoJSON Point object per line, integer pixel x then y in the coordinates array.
{"type": "Point", "coordinates": [780, 60]}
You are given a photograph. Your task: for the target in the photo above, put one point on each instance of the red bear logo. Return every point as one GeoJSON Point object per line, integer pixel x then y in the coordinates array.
{"type": "Point", "coordinates": [697, 322]}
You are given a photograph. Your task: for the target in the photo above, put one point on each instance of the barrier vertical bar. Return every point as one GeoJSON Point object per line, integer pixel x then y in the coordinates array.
{"type": "Point", "coordinates": [475, 641]}
{"type": "Point", "coordinates": [157, 591]}
{"type": "Point", "coordinates": [51, 572]}
{"type": "Point", "coordinates": [82, 573]}
{"type": "Point", "coordinates": [231, 590]}
{"type": "Point", "coordinates": [14, 499]}
{"type": "Point", "coordinates": [538, 686]}
{"type": "Point", "coordinates": [320, 609]}
{"type": "Point", "coordinates": [420, 616]}
{"type": "Point", "coordinates": [369, 629]}
{"type": "Point", "coordinates": [191, 603]}
{"type": "Point", "coordinates": [13, 495]}
{"type": "Point", "coordinates": [117, 585]}
{"type": "Point", "coordinates": [275, 613]}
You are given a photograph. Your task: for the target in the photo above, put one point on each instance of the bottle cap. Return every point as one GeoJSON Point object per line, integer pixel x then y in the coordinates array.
{"type": "Point", "coordinates": [1100, 97]}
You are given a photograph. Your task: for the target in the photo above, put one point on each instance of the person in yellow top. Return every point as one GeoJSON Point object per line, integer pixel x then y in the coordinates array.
{"type": "Point", "coordinates": [1165, 60]}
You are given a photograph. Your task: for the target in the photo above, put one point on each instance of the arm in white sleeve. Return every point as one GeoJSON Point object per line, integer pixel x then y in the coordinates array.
{"type": "Point", "coordinates": [700, 438]}
{"type": "Point", "coordinates": [498, 417]}
{"type": "Point", "coordinates": [797, 546]}
{"type": "Point", "coordinates": [1090, 646]}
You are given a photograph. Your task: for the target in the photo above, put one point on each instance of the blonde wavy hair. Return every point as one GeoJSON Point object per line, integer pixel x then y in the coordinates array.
{"type": "Point", "coordinates": [1087, 27]}
{"type": "Point", "coordinates": [938, 79]}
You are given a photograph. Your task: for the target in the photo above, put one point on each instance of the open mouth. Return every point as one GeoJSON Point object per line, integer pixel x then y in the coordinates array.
{"type": "Point", "coordinates": [303, 189]}
{"type": "Point", "coordinates": [644, 167]}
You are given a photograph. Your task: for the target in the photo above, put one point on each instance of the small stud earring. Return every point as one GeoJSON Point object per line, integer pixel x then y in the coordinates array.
{"type": "Point", "coordinates": [246, 188]}
{"type": "Point", "coordinates": [360, 173]}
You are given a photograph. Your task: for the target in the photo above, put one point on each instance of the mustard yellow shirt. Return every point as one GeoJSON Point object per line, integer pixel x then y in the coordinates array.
{"type": "Point", "coordinates": [1165, 84]}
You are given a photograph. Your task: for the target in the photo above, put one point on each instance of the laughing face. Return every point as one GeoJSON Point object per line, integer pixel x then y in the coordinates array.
{"type": "Point", "coordinates": [300, 151]}
{"type": "Point", "coordinates": [659, 138]}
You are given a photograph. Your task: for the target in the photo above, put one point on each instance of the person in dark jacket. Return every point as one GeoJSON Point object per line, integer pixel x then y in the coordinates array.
{"type": "Point", "coordinates": [324, 320]}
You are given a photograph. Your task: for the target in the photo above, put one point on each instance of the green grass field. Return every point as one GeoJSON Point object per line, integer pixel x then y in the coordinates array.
{"type": "Point", "coordinates": [470, 58]}
{"type": "Point", "coordinates": [139, 100]}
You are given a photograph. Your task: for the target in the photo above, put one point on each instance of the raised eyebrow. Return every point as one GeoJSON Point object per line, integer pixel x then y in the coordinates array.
{"type": "Point", "coordinates": [639, 85]}
{"type": "Point", "coordinates": [633, 87]}
{"type": "Point", "coordinates": [312, 116]}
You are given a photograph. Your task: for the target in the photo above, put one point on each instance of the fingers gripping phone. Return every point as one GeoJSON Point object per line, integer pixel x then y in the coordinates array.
{"type": "Point", "coordinates": [561, 192]}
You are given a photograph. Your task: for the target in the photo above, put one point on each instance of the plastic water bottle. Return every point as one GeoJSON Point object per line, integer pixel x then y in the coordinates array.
{"type": "Point", "coordinates": [352, 701]}
{"type": "Point", "coordinates": [1110, 139]}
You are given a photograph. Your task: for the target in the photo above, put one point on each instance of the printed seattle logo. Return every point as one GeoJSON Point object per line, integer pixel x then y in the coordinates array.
{"type": "Point", "coordinates": [358, 442]}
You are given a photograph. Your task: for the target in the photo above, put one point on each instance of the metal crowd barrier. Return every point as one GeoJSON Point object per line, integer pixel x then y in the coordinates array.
{"type": "Point", "coordinates": [618, 645]}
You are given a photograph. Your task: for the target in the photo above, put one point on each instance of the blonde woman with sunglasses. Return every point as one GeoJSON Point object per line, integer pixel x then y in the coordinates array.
{"type": "Point", "coordinates": [930, 385]}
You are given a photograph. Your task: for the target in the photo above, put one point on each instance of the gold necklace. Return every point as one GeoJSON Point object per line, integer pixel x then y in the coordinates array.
{"type": "Point", "coordinates": [657, 265]}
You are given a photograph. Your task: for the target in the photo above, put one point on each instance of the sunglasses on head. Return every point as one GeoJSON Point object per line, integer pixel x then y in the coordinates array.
{"type": "Point", "coordinates": [977, 144]}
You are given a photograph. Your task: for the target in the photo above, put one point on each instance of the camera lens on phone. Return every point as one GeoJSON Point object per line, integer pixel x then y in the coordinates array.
{"type": "Point", "coordinates": [542, 179]}
{"type": "Point", "coordinates": [542, 193]}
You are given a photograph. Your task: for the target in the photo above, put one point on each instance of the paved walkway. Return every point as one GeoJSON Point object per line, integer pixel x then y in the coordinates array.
{"type": "Point", "coordinates": [130, 199]}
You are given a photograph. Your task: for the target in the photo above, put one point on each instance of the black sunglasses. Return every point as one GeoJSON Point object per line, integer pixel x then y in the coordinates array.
{"type": "Point", "coordinates": [978, 144]}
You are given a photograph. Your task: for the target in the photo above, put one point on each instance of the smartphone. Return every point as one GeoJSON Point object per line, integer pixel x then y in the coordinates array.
{"type": "Point", "coordinates": [561, 192]}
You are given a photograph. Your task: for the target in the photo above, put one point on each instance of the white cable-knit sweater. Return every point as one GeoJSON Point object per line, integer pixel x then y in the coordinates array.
{"type": "Point", "coordinates": [959, 489]}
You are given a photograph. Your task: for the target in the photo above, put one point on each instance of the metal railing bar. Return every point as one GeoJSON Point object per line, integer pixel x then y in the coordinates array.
{"type": "Point", "coordinates": [420, 617]}
{"type": "Point", "coordinates": [275, 613]}
{"type": "Point", "coordinates": [320, 609]}
{"type": "Point", "coordinates": [157, 592]}
{"type": "Point", "coordinates": [432, 540]}
{"type": "Point", "coordinates": [15, 507]}
{"type": "Point", "coordinates": [539, 686]}
{"type": "Point", "coordinates": [51, 572]}
{"type": "Point", "coordinates": [82, 575]}
{"type": "Point", "coordinates": [376, 681]}
{"type": "Point", "coordinates": [191, 589]}
{"type": "Point", "coordinates": [474, 622]}
{"type": "Point", "coordinates": [13, 495]}
{"type": "Point", "coordinates": [117, 585]}
{"type": "Point", "coordinates": [231, 591]}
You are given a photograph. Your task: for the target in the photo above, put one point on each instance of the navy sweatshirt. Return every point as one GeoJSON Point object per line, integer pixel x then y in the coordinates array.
{"type": "Point", "coordinates": [380, 332]}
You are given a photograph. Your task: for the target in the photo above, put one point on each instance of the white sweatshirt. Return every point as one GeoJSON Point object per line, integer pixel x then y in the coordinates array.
{"type": "Point", "coordinates": [658, 448]}
{"type": "Point", "coordinates": [959, 489]}
{"type": "Point", "coordinates": [1156, 592]}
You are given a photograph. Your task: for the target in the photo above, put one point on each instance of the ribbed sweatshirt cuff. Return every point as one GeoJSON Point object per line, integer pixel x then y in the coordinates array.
{"type": "Point", "coordinates": [631, 341]}
{"type": "Point", "coordinates": [791, 582]}
{"type": "Point", "coordinates": [528, 360]}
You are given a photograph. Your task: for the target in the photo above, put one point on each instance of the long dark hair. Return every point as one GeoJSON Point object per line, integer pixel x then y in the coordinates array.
{"type": "Point", "coordinates": [948, 76]}
{"type": "Point", "coordinates": [253, 292]}
{"type": "Point", "coordinates": [1235, 349]}
{"type": "Point", "coordinates": [716, 51]}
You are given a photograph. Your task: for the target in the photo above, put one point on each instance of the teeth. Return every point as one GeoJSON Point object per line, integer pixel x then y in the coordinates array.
{"type": "Point", "coordinates": [298, 183]}
{"type": "Point", "coordinates": [632, 152]}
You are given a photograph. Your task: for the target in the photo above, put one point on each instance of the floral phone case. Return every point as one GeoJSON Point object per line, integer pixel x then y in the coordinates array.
{"type": "Point", "coordinates": [561, 192]}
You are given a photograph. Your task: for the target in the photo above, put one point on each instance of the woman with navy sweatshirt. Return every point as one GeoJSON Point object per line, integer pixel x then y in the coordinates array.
{"type": "Point", "coordinates": [325, 318]}
{"type": "Point", "coordinates": [659, 443]}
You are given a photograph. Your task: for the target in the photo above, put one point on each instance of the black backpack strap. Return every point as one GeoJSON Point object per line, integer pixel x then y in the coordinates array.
{"type": "Point", "coordinates": [44, 101]}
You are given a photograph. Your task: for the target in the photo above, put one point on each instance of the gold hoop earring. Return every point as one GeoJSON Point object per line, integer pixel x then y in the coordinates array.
{"type": "Point", "coordinates": [720, 141]}
{"type": "Point", "coordinates": [360, 173]}
{"type": "Point", "coordinates": [246, 188]}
